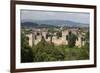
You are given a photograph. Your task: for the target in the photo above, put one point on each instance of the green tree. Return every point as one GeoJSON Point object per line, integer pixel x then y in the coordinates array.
{"type": "Point", "coordinates": [71, 38]}
{"type": "Point", "coordinates": [59, 34]}
{"type": "Point", "coordinates": [26, 50]}
{"type": "Point", "coordinates": [26, 54]}
{"type": "Point", "coordinates": [24, 40]}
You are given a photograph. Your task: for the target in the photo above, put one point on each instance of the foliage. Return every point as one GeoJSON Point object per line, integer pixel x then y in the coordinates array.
{"type": "Point", "coordinates": [86, 45]}
{"type": "Point", "coordinates": [71, 39]}
{"type": "Point", "coordinates": [45, 51]}
{"type": "Point", "coordinates": [26, 50]}
{"type": "Point", "coordinates": [26, 54]}
{"type": "Point", "coordinates": [59, 34]}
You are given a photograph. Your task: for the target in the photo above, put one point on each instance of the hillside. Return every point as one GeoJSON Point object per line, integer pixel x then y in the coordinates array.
{"type": "Point", "coordinates": [53, 23]}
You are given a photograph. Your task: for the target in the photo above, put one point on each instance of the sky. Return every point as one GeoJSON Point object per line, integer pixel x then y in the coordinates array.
{"type": "Point", "coordinates": [32, 15]}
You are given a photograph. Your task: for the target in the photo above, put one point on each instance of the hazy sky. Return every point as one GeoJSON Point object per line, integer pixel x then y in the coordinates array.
{"type": "Point", "coordinates": [29, 15]}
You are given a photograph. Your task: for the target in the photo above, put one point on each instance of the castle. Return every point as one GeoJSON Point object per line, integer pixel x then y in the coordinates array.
{"type": "Point", "coordinates": [35, 36]}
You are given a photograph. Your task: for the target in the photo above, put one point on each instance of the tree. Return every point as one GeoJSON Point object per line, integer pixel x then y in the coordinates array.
{"type": "Point", "coordinates": [24, 40]}
{"type": "Point", "coordinates": [26, 50]}
{"type": "Point", "coordinates": [59, 34]}
{"type": "Point", "coordinates": [26, 54]}
{"type": "Point", "coordinates": [71, 38]}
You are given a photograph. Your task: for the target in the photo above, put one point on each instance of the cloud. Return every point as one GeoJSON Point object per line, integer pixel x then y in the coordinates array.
{"type": "Point", "coordinates": [55, 15]}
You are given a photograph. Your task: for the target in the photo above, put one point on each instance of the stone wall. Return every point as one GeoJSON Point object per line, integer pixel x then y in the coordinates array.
{"type": "Point", "coordinates": [55, 40]}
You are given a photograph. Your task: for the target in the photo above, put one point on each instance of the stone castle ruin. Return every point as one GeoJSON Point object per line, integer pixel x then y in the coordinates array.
{"type": "Point", "coordinates": [36, 36]}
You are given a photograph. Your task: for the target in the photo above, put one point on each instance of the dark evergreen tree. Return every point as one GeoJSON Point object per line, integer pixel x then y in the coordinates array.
{"type": "Point", "coordinates": [71, 38]}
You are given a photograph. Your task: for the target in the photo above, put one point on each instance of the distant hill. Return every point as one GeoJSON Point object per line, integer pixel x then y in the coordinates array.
{"type": "Point", "coordinates": [54, 23]}
{"type": "Point", "coordinates": [31, 24]}
{"type": "Point", "coordinates": [62, 23]}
